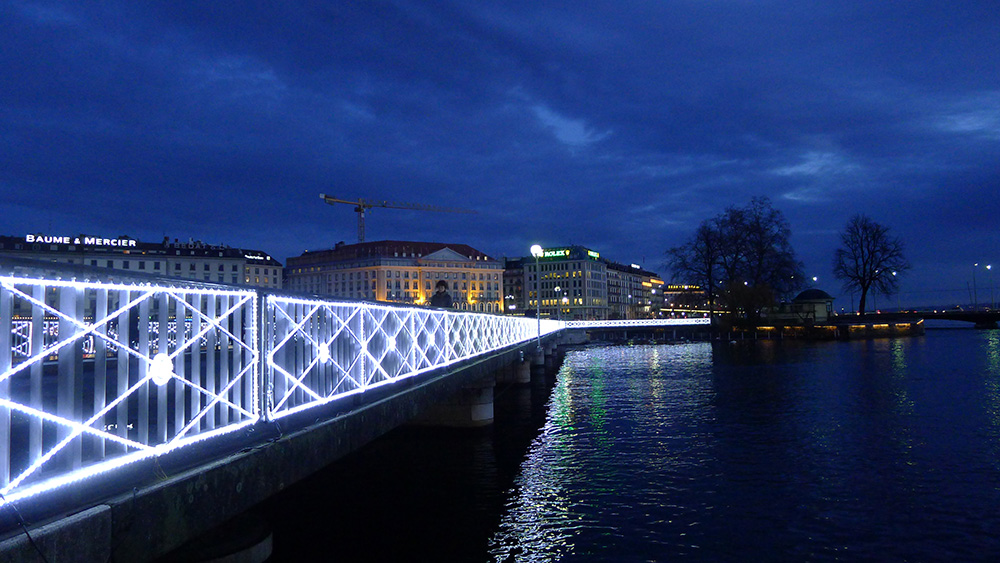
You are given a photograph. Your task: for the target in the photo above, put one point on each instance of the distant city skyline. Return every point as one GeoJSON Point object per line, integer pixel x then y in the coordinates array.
{"type": "Point", "coordinates": [618, 127]}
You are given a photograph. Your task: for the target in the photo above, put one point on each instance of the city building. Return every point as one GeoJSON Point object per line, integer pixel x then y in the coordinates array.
{"type": "Point", "coordinates": [192, 260]}
{"type": "Point", "coordinates": [401, 272]}
{"type": "Point", "coordinates": [513, 286]}
{"type": "Point", "coordinates": [576, 283]}
{"type": "Point", "coordinates": [633, 293]}
{"type": "Point", "coordinates": [572, 283]}
{"type": "Point", "coordinates": [810, 307]}
{"type": "Point", "coordinates": [683, 299]}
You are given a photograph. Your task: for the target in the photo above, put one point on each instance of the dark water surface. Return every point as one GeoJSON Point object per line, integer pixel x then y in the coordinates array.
{"type": "Point", "coordinates": [880, 450]}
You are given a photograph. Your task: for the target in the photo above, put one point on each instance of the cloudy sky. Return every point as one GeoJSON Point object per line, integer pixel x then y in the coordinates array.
{"type": "Point", "coordinates": [615, 125]}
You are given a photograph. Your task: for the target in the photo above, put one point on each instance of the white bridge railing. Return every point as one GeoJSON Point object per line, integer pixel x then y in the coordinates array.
{"type": "Point", "coordinates": [320, 350]}
{"type": "Point", "coordinates": [640, 323]}
{"type": "Point", "coordinates": [98, 374]}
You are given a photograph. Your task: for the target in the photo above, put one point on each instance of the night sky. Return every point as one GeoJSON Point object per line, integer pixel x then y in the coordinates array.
{"type": "Point", "coordinates": [615, 125]}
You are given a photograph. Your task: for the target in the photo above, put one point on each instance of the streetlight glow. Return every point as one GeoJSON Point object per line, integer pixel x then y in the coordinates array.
{"type": "Point", "coordinates": [536, 251]}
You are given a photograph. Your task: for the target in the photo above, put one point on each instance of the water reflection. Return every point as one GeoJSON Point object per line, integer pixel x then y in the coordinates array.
{"type": "Point", "coordinates": [777, 451]}
{"type": "Point", "coordinates": [769, 450]}
{"type": "Point", "coordinates": [579, 478]}
{"type": "Point", "coordinates": [991, 384]}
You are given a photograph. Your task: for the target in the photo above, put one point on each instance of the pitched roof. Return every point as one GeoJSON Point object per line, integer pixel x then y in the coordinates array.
{"type": "Point", "coordinates": [813, 295]}
{"type": "Point", "coordinates": [385, 249]}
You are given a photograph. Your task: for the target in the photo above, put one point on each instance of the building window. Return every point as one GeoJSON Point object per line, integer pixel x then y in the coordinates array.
{"type": "Point", "coordinates": [125, 264]}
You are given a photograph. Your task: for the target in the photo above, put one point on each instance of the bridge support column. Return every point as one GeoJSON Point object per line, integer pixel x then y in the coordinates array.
{"type": "Point", "coordinates": [507, 374]}
{"type": "Point", "coordinates": [538, 360]}
{"type": "Point", "coordinates": [551, 351]}
{"type": "Point", "coordinates": [470, 407]}
{"type": "Point", "coordinates": [523, 372]}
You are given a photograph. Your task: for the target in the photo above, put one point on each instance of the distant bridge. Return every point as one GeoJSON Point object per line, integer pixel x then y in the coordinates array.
{"type": "Point", "coordinates": [172, 405]}
{"type": "Point", "coordinates": [983, 319]}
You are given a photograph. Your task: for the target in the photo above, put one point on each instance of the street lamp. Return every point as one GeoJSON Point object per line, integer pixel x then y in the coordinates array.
{"type": "Point", "coordinates": [558, 309]}
{"type": "Point", "coordinates": [975, 297]}
{"type": "Point", "coordinates": [898, 307]}
{"type": "Point", "coordinates": [993, 302]}
{"type": "Point", "coordinates": [536, 251]}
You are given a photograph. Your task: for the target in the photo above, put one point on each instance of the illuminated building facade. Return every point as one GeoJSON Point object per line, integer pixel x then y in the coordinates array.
{"type": "Point", "coordinates": [682, 299]}
{"type": "Point", "coordinates": [401, 272]}
{"type": "Point", "coordinates": [581, 277]}
{"type": "Point", "coordinates": [576, 283]}
{"type": "Point", "coordinates": [192, 260]}
{"type": "Point", "coordinates": [633, 293]}
{"type": "Point", "coordinates": [513, 286]}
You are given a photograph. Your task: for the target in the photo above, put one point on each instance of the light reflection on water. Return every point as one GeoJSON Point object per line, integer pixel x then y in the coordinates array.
{"type": "Point", "coordinates": [870, 450]}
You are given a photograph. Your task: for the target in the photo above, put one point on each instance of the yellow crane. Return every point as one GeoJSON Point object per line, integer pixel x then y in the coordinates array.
{"type": "Point", "coordinates": [361, 205]}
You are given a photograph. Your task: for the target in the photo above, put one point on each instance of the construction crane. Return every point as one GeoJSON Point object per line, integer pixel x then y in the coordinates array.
{"type": "Point", "coordinates": [361, 205]}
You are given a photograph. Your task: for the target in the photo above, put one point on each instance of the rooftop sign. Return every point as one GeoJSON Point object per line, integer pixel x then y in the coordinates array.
{"type": "Point", "coordinates": [565, 253]}
{"type": "Point", "coordinates": [83, 240]}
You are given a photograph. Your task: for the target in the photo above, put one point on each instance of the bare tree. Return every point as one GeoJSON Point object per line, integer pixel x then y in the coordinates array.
{"type": "Point", "coordinates": [869, 260]}
{"type": "Point", "coordinates": [698, 260]}
{"type": "Point", "coordinates": [745, 251]}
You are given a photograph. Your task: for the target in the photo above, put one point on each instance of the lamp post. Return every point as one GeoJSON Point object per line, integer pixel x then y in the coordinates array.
{"type": "Point", "coordinates": [975, 297]}
{"type": "Point", "coordinates": [536, 251]}
{"type": "Point", "coordinates": [898, 307]}
{"type": "Point", "coordinates": [558, 308]}
{"type": "Point", "coordinates": [993, 301]}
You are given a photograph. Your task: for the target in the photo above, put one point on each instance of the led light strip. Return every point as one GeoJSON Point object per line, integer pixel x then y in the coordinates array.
{"type": "Point", "coordinates": [159, 370]}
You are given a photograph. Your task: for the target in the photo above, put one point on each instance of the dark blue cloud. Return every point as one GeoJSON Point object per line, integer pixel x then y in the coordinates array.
{"type": "Point", "coordinates": [617, 125]}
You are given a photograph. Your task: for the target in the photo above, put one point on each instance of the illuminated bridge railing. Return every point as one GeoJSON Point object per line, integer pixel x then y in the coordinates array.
{"type": "Point", "coordinates": [321, 350]}
{"type": "Point", "coordinates": [639, 323]}
{"type": "Point", "coordinates": [95, 375]}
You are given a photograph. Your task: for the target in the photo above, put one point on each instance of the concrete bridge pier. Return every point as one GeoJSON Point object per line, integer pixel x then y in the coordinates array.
{"type": "Point", "coordinates": [470, 407]}
{"type": "Point", "coordinates": [551, 355]}
{"type": "Point", "coordinates": [538, 364]}
{"type": "Point", "coordinates": [523, 372]}
{"type": "Point", "coordinates": [506, 374]}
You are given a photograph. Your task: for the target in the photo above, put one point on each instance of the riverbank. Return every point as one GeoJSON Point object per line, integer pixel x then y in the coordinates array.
{"type": "Point", "coordinates": [837, 330]}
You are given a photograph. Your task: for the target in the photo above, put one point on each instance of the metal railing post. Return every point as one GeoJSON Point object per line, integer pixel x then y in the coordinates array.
{"type": "Point", "coordinates": [265, 331]}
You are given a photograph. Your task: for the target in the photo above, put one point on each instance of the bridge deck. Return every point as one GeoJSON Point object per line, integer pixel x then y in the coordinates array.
{"type": "Point", "coordinates": [106, 379]}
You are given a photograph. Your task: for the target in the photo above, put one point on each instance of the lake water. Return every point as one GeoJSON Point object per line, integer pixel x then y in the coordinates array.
{"type": "Point", "coordinates": [878, 450]}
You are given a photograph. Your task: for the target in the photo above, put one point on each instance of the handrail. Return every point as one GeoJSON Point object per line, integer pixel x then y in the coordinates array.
{"type": "Point", "coordinates": [100, 369]}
